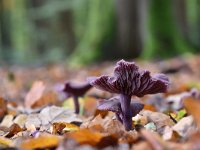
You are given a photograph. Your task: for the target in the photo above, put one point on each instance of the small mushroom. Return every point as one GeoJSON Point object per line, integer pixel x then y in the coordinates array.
{"type": "Point", "coordinates": [129, 81]}
{"type": "Point", "coordinates": [75, 90]}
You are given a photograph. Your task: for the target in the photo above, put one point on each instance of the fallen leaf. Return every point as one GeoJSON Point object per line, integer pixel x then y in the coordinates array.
{"type": "Point", "coordinates": [128, 137]}
{"type": "Point", "coordinates": [14, 129]}
{"type": "Point", "coordinates": [53, 114]}
{"type": "Point", "coordinates": [7, 121]}
{"type": "Point", "coordinates": [5, 141]}
{"type": "Point", "coordinates": [85, 136]}
{"type": "Point", "coordinates": [50, 115]}
{"type": "Point", "coordinates": [21, 120]}
{"type": "Point", "coordinates": [193, 107]}
{"type": "Point", "coordinates": [153, 139]}
{"type": "Point", "coordinates": [110, 140]}
{"type": "Point", "coordinates": [103, 113]}
{"type": "Point", "coordinates": [158, 118]}
{"type": "Point", "coordinates": [60, 127]}
{"type": "Point", "coordinates": [34, 94]}
{"type": "Point", "coordinates": [170, 134]}
{"type": "Point", "coordinates": [43, 141]}
{"type": "Point", "coordinates": [3, 108]}
{"type": "Point", "coordinates": [184, 126]}
{"type": "Point", "coordinates": [38, 96]}
{"type": "Point", "coordinates": [33, 120]}
{"type": "Point", "coordinates": [181, 113]}
{"type": "Point", "coordinates": [47, 98]}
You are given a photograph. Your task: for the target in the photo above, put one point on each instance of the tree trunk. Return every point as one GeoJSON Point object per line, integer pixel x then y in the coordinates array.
{"type": "Point", "coordinates": [181, 16]}
{"type": "Point", "coordinates": [130, 21]}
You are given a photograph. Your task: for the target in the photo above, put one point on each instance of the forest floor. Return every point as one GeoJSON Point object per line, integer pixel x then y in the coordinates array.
{"type": "Point", "coordinates": [35, 115]}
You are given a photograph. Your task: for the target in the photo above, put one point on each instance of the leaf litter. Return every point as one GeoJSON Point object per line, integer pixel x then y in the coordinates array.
{"type": "Point", "coordinates": [34, 117]}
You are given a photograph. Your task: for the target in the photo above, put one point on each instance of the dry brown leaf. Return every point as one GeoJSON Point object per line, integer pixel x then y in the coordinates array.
{"type": "Point", "coordinates": [153, 139]}
{"type": "Point", "coordinates": [43, 141]}
{"type": "Point", "coordinates": [85, 136]}
{"type": "Point", "coordinates": [193, 107]}
{"type": "Point", "coordinates": [14, 129]}
{"type": "Point", "coordinates": [184, 126]}
{"type": "Point", "coordinates": [3, 108]}
{"type": "Point", "coordinates": [51, 114]}
{"type": "Point", "coordinates": [110, 140]}
{"type": "Point", "coordinates": [128, 137]}
{"type": "Point", "coordinates": [106, 125]}
{"type": "Point", "coordinates": [49, 97]}
{"type": "Point", "coordinates": [103, 113]}
{"type": "Point", "coordinates": [160, 119]}
{"type": "Point", "coordinates": [38, 96]}
{"type": "Point", "coordinates": [60, 127]}
{"type": "Point", "coordinates": [34, 94]}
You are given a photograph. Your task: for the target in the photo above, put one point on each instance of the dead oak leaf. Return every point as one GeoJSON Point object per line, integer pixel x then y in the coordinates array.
{"type": "Point", "coordinates": [50, 115]}
{"type": "Point", "coordinates": [193, 107]}
{"type": "Point", "coordinates": [3, 107]}
{"type": "Point", "coordinates": [85, 136]}
{"type": "Point", "coordinates": [96, 139]}
{"type": "Point", "coordinates": [160, 119]}
{"type": "Point", "coordinates": [153, 139]}
{"type": "Point", "coordinates": [13, 130]}
{"type": "Point", "coordinates": [39, 96]}
{"type": "Point", "coordinates": [34, 94]}
{"type": "Point", "coordinates": [43, 141]}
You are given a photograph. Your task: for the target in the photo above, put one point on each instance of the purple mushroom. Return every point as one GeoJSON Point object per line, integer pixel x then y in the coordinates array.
{"type": "Point", "coordinates": [75, 90]}
{"type": "Point", "coordinates": [129, 81]}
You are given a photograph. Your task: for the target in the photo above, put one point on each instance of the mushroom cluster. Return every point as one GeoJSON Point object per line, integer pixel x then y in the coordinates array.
{"type": "Point", "coordinates": [128, 81]}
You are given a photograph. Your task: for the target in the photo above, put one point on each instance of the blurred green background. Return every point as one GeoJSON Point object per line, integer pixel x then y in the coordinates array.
{"type": "Point", "coordinates": [86, 31]}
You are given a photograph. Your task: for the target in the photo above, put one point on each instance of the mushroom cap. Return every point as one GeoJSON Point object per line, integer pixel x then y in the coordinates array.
{"type": "Point", "coordinates": [129, 80]}
{"type": "Point", "coordinates": [71, 89]}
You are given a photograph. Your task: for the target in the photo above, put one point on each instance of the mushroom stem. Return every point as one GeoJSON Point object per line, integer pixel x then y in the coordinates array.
{"type": "Point", "coordinates": [118, 118]}
{"type": "Point", "coordinates": [76, 104]}
{"type": "Point", "coordinates": [126, 110]}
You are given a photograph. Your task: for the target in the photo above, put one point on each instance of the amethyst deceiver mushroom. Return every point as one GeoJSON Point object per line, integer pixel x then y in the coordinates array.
{"type": "Point", "coordinates": [75, 90]}
{"type": "Point", "coordinates": [129, 81]}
